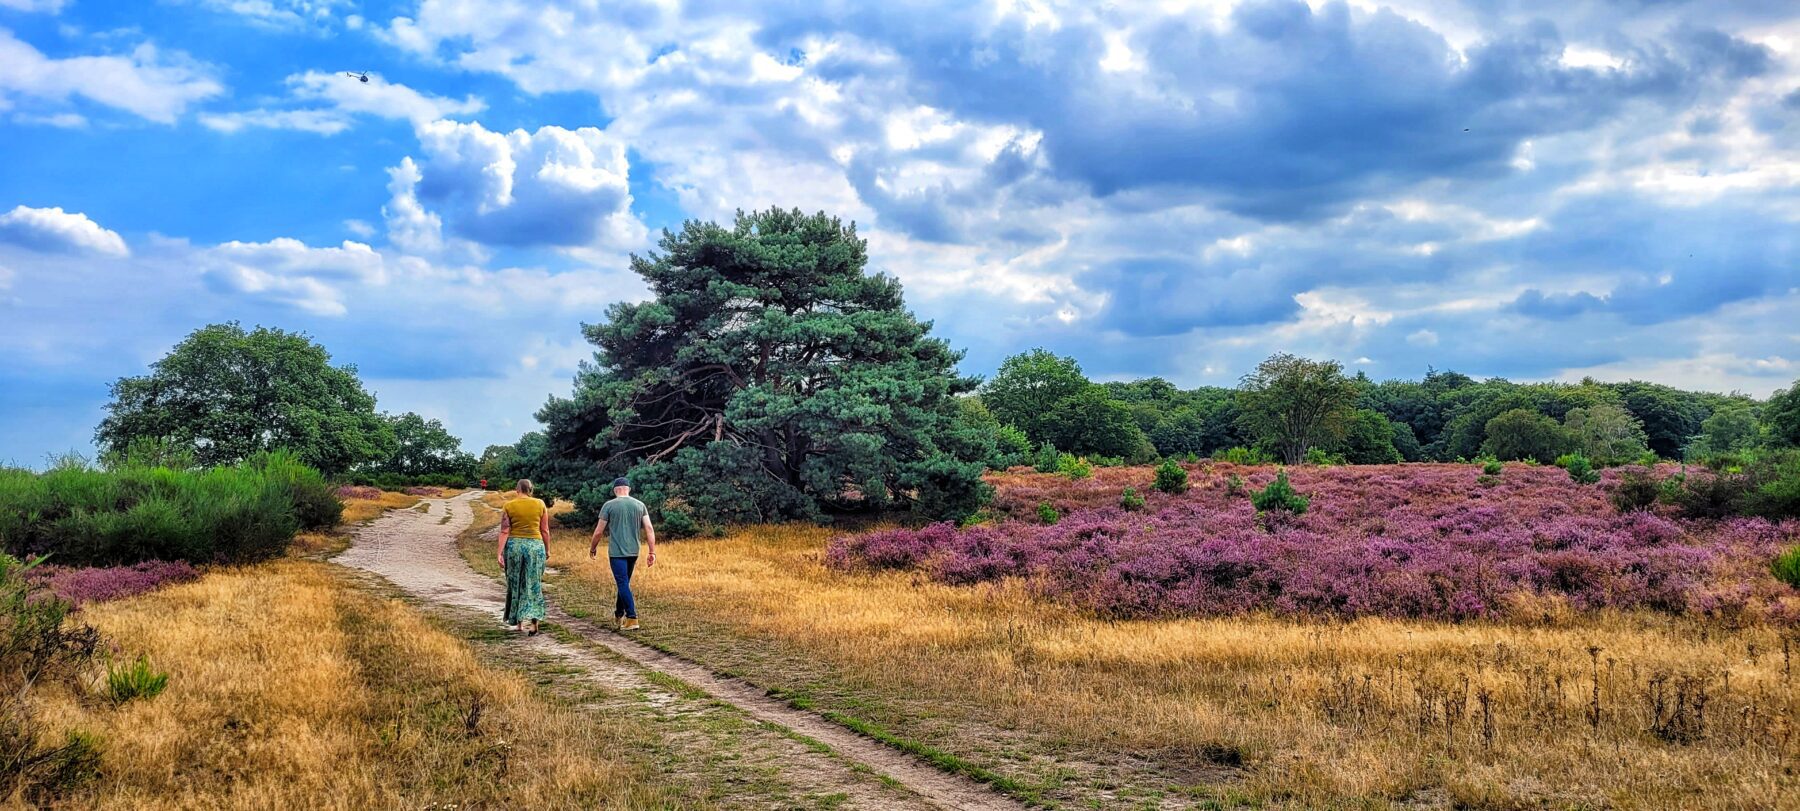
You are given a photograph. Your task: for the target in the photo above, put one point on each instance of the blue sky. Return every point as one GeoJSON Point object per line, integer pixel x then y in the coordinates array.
{"type": "Point", "coordinates": [1525, 188]}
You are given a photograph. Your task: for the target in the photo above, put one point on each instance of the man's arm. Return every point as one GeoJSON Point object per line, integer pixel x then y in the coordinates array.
{"type": "Point", "coordinates": [594, 543]}
{"type": "Point", "coordinates": [650, 539]}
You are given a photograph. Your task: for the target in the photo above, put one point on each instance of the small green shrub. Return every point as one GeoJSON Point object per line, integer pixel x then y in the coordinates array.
{"type": "Point", "coordinates": [1564, 460]}
{"type": "Point", "coordinates": [1280, 496]}
{"type": "Point", "coordinates": [678, 522]}
{"type": "Point", "coordinates": [134, 680]}
{"type": "Point", "coordinates": [1234, 485]}
{"type": "Point", "coordinates": [1244, 456]}
{"type": "Point", "coordinates": [1074, 467]}
{"type": "Point", "coordinates": [1171, 478]}
{"type": "Point", "coordinates": [1636, 491]}
{"type": "Point", "coordinates": [1323, 458]}
{"type": "Point", "coordinates": [1786, 566]}
{"type": "Point", "coordinates": [39, 645]}
{"type": "Point", "coordinates": [1048, 460]}
{"type": "Point", "coordinates": [1492, 467]}
{"type": "Point", "coordinates": [1047, 514]}
{"type": "Point", "coordinates": [1131, 500]}
{"type": "Point", "coordinates": [1580, 469]}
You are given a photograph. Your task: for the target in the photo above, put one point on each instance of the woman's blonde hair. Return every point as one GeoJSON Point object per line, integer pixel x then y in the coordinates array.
{"type": "Point", "coordinates": [525, 486]}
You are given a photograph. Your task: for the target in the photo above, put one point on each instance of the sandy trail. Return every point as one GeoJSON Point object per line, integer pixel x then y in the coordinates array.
{"type": "Point", "coordinates": [417, 552]}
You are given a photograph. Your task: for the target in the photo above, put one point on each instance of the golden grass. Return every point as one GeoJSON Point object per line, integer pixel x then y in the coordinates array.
{"type": "Point", "coordinates": [291, 689]}
{"type": "Point", "coordinates": [362, 510]}
{"type": "Point", "coordinates": [1372, 711]}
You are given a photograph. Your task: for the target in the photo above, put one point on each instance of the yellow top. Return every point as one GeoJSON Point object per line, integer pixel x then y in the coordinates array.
{"type": "Point", "coordinates": [524, 513]}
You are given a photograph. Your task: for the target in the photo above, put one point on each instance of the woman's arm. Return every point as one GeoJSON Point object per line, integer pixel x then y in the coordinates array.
{"type": "Point", "coordinates": [544, 531]}
{"type": "Point", "coordinates": [505, 529]}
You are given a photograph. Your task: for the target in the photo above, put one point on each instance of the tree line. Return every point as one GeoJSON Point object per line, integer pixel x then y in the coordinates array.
{"type": "Point", "coordinates": [1293, 409]}
{"type": "Point", "coordinates": [771, 376]}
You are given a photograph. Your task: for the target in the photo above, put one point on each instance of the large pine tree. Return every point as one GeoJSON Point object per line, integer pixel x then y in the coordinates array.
{"type": "Point", "coordinates": [770, 376]}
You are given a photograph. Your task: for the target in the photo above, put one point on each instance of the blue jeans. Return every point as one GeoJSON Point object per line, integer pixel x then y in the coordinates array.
{"type": "Point", "coordinates": [621, 569]}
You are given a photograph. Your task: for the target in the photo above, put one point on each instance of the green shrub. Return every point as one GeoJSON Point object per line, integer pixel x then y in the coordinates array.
{"type": "Point", "coordinates": [226, 514]}
{"type": "Point", "coordinates": [1487, 480]}
{"type": "Point", "coordinates": [134, 680]}
{"type": "Point", "coordinates": [1564, 460]}
{"type": "Point", "coordinates": [1131, 500]}
{"type": "Point", "coordinates": [1234, 485]}
{"type": "Point", "coordinates": [1171, 478]}
{"type": "Point", "coordinates": [1049, 460]}
{"type": "Point", "coordinates": [1323, 458]}
{"type": "Point", "coordinates": [1492, 467]}
{"type": "Point", "coordinates": [39, 645]}
{"type": "Point", "coordinates": [1776, 479]}
{"type": "Point", "coordinates": [1579, 468]}
{"type": "Point", "coordinates": [1636, 491]}
{"type": "Point", "coordinates": [1245, 456]}
{"type": "Point", "coordinates": [677, 522]}
{"type": "Point", "coordinates": [1047, 514]}
{"type": "Point", "coordinates": [1280, 496]}
{"type": "Point", "coordinates": [1786, 566]}
{"type": "Point", "coordinates": [1074, 467]}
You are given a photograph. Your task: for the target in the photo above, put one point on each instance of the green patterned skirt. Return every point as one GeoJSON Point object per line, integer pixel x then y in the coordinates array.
{"type": "Point", "coordinates": [524, 580]}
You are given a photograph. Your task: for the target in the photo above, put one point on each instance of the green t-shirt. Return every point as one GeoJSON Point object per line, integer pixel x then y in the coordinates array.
{"type": "Point", "coordinates": [624, 521]}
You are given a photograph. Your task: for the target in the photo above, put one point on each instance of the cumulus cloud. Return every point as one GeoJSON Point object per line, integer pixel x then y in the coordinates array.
{"type": "Point", "coordinates": [146, 82]}
{"type": "Point", "coordinates": [55, 230]}
{"type": "Point", "coordinates": [555, 187]}
{"type": "Point", "coordinates": [51, 6]}
{"type": "Point", "coordinates": [328, 103]}
{"type": "Point", "coordinates": [279, 13]}
{"type": "Point", "coordinates": [289, 271]}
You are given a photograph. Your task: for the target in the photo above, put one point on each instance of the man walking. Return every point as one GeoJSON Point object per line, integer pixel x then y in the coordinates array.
{"type": "Point", "coordinates": [623, 520]}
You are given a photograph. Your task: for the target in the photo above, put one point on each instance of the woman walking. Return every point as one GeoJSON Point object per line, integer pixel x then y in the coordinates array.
{"type": "Point", "coordinates": [523, 551]}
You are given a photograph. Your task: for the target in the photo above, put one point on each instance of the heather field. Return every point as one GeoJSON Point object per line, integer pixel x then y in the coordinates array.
{"type": "Point", "coordinates": [1416, 541]}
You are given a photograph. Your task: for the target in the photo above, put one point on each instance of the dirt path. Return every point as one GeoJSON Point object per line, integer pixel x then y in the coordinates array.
{"type": "Point", "coordinates": [416, 550]}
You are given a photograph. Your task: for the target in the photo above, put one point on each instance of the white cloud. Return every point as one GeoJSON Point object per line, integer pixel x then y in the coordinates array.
{"type": "Point", "coordinates": [68, 121]}
{"type": "Point", "coordinates": [51, 6]}
{"type": "Point", "coordinates": [54, 230]}
{"type": "Point", "coordinates": [360, 228]}
{"type": "Point", "coordinates": [146, 82]}
{"type": "Point", "coordinates": [1423, 337]}
{"type": "Point", "coordinates": [279, 13]}
{"type": "Point", "coordinates": [290, 272]}
{"type": "Point", "coordinates": [553, 187]}
{"type": "Point", "coordinates": [333, 100]}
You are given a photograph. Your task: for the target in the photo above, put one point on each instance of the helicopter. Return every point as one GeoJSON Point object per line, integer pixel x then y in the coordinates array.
{"type": "Point", "coordinates": [361, 76]}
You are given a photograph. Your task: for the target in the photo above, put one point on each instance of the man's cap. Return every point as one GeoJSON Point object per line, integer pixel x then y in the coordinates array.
{"type": "Point", "coordinates": [621, 482]}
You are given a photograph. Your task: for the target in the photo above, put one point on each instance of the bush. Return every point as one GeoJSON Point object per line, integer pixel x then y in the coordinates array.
{"type": "Point", "coordinates": [1049, 460]}
{"type": "Point", "coordinates": [677, 522]}
{"type": "Point", "coordinates": [1074, 467]}
{"type": "Point", "coordinates": [1171, 478]}
{"type": "Point", "coordinates": [1131, 500]}
{"type": "Point", "coordinates": [1636, 491]}
{"type": "Point", "coordinates": [1323, 458]}
{"type": "Point", "coordinates": [1580, 470]}
{"type": "Point", "coordinates": [87, 517]}
{"type": "Point", "coordinates": [1787, 567]}
{"type": "Point", "coordinates": [135, 680]}
{"type": "Point", "coordinates": [1234, 485]}
{"type": "Point", "coordinates": [1492, 467]}
{"type": "Point", "coordinates": [38, 646]}
{"type": "Point", "coordinates": [316, 506]}
{"type": "Point", "coordinates": [1245, 456]}
{"type": "Point", "coordinates": [1776, 478]}
{"type": "Point", "coordinates": [1280, 496]}
{"type": "Point", "coordinates": [1047, 514]}
{"type": "Point", "coordinates": [1707, 494]}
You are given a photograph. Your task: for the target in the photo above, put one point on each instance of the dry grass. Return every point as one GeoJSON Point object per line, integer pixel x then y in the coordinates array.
{"type": "Point", "coordinates": [291, 689]}
{"type": "Point", "coordinates": [364, 510]}
{"type": "Point", "coordinates": [1625, 711]}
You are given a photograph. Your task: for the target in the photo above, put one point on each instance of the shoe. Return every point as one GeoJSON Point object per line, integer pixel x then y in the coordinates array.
{"type": "Point", "coordinates": [631, 624]}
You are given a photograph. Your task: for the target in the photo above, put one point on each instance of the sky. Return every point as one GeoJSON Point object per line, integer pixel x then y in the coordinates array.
{"type": "Point", "coordinates": [1533, 189]}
